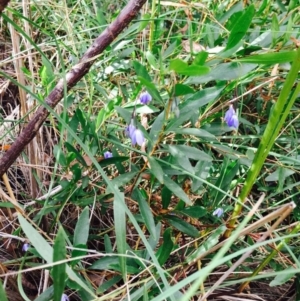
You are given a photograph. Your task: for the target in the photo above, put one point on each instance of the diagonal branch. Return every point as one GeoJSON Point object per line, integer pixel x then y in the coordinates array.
{"type": "Point", "coordinates": [129, 12]}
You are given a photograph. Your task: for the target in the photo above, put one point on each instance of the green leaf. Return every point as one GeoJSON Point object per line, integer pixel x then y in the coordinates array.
{"type": "Point", "coordinates": [2, 292]}
{"type": "Point", "coordinates": [181, 89]}
{"type": "Point", "coordinates": [183, 68]}
{"type": "Point", "coordinates": [124, 113]}
{"type": "Point", "coordinates": [283, 278]}
{"type": "Point", "coordinates": [105, 263]}
{"type": "Point", "coordinates": [47, 75]}
{"type": "Point", "coordinates": [227, 173]}
{"type": "Point", "coordinates": [176, 189]}
{"type": "Point", "coordinates": [59, 271]}
{"type": "Point", "coordinates": [156, 169]}
{"type": "Point", "coordinates": [211, 241]}
{"type": "Point", "coordinates": [141, 71]}
{"type": "Point", "coordinates": [82, 228]}
{"type": "Point", "coordinates": [157, 126]}
{"type": "Point", "coordinates": [72, 149]}
{"type": "Point", "coordinates": [164, 251]}
{"type": "Point", "coordinates": [108, 284]}
{"type": "Point", "coordinates": [166, 196]}
{"type": "Point", "coordinates": [189, 152]}
{"type": "Point", "coordinates": [120, 229]}
{"type": "Point", "coordinates": [121, 180]}
{"type": "Point", "coordinates": [46, 295]}
{"type": "Point", "coordinates": [193, 211]}
{"type": "Point", "coordinates": [144, 21]}
{"type": "Point", "coordinates": [201, 169]}
{"type": "Point", "coordinates": [200, 58]}
{"type": "Point", "coordinates": [195, 132]}
{"type": "Point", "coordinates": [279, 174]}
{"type": "Point", "coordinates": [151, 60]}
{"type": "Point", "coordinates": [198, 100]}
{"type": "Point", "coordinates": [100, 119]}
{"type": "Point", "coordinates": [146, 214]}
{"type": "Point", "coordinates": [46, 251]}
{"type": "Point", "coordinates": [240, 27]}
{"type": "Point", "coordinates": [270, 58]}
{"type": "Point", "coordinates": [183, 226]}
{"type": "Point", "coordinates": [226, 71]}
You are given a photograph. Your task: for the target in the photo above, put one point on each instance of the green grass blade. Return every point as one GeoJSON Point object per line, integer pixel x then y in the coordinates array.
{"type": "Point", "coordinates": [59, 271]}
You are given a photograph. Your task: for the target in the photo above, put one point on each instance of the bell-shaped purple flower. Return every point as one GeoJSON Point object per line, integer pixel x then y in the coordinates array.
{"type": "Point", "coordinates": [231, 118]}
{"type": "Point", "coordinates": [25, 247]}
{"type": "Point", "coordinates": [129, 130]}
{"type": "Point", "coordinates": [218, 212]}
{"type": "Point", "coordinates": [145, 98]}
{"type": "Point", "coordinates": [64, 297]}
{"type": "Point", "coordinates": [135, 135]}
{"type": "Point", "coordinates": [107, 155]}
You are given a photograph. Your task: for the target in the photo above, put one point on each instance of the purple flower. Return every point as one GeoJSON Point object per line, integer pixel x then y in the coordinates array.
{"type": "Point", "coordinates": [25, 247]}
{"type": "Point", "coordinates": [108, 155]}
{"type": "Point", "coordinates": [145, 98]}
{"type": "Point", "coordinates": [129, 130]}
{"type": "Point", "coordinates": [64, 297]}
{"type": "Point", "coordinates": [135, 135]}
{"type": "Point", "coordinates": [231, 118]}
{"type": "Point", "coordinates": [218, 212]}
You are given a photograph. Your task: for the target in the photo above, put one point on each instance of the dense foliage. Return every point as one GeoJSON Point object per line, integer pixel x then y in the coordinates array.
{"type": "Point", "coordinates": [171, 170]}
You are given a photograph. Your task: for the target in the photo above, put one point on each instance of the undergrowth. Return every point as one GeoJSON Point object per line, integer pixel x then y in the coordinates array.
{"type": "Point", "coordinates": [138, 187]}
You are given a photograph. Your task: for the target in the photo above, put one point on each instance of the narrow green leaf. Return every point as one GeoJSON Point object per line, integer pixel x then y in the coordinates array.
{"type": "Point", "coordinates": [82, 228]}
{"type": "Point", "coordinates": [124, 113]}
{"type": "Point", "coordinates": [226, 71]}
{"type": "Point", "coordinates": [166, 196]}
{"type": "Point", "coordinates": [72, 149]}
{"type": "Point", "coordinates": [164, 251]}
{"type": "Point", "coordinates": [156, 169]}
{"type": "Point", "coordinates": [283, 278]}
{"type": "Point", "coordinates": [280, 173]}
{"type": "Point", "coordinates": [120, 229]}
{"type": "Point", "coordinates": [195, 132]}
{"type": "Point", "coordinates": [46, 251]}
{"type": "Point", "coordinates": [122, 179]}
{"type": "Point", "coordinates": [2, 292]}
{"type": "Point", "coordinates": [198, 100]}
{"type": "Point", "coordinates": [183, 226]}
{"type": "Point", "coordinates": [105, 263]}
{"type": "Point", "coordinates": [181, 89]}
{"type": "Point", "coordinates": [194, 211]}
{"type": "Point", "coordinates": [151, 60]}
{"type": "Point", "coordinates": [147, 215]}
{"type": "Point", "coordinates": [108, 284]}
{"type": "Point", "coordinates": [200, 58]}
{"type": "Point", "coordinates": [189, 152]}
{"type": "Point", "coordinates": [176, 189]}
{"type": "Point", "coordinates": [270, 58]}
{"type": "Point", "coordinates": [59, 271]}
{"type": "Point", "coordinates": [228, 172]}
{"type": "Point", "coordinates": [141, 71]}
{"type": "Point", "coordinates": [240, 27]}
{"type": "Point", "coordinates": [157, 127]}
{"type": "Point", "coordinates": [208, 244]}
{"type": "Point", "coordinates": [46, 295]}
{"type": "Point", "coordinates": [183, 68]}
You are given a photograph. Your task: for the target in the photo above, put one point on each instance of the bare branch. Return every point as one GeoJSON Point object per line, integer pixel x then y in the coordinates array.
{"type": "Point", "coordinates": [129, 12]}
